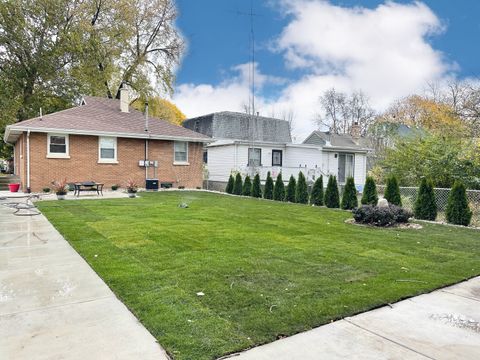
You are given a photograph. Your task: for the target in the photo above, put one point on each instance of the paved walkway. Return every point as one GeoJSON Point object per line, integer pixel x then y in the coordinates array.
{"type": "Point", "coordinates": [54, 306]}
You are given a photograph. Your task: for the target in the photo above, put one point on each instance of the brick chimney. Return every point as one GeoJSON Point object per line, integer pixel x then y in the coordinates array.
{"type": "Point", "coordinates": [355, 131]}
{"type": "Point", "coordinates": [124, 100]}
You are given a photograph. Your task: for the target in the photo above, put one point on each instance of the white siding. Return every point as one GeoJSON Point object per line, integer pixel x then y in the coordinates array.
{"type": "Point", "coordinates": [331, 166]}
{"type": "Point", "coordinates": [298, 157]}
{"type": "Point", "coordinates": [221, 162]}
{"type": "Point", "coordinates": [360, 169]}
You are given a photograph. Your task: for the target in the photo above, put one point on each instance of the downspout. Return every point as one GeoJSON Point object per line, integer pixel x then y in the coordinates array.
{"type": "Point", "coordinates": [146, 143]}
{"type": "Point", "coordinates": [28, 161]}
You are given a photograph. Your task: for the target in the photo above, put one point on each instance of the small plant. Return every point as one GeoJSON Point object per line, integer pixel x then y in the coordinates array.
{"type": "Point", "coordinates": [458, 211]}
{"type": "Point", "coordinates": [301, 192]}
{"type": "Point", "coordinates": [131, 186]}
{"type": "Point", "coordinates": [230, 184]}
{"type": "Point", "coordinates": [381, 216]}
{"type": "Point", "coordinates": [114, 187]}
{"type": "Point", "coordinates": [392, 191]}
{"type": "Point", "coordinates": [268, 192]}
{"type": "Point", "coordinates": [316, 198]}
{"type": "Point", "coordinates": [247, 187]}
{"type": "Point", "coordinates": [425, 206]}
{"type": "Point", "coordinates": [349, 198]}
{"type": "Point", "coordinates": [332, 197]}
{"type": "Point", "coordinates": [46, 190]}
{"type": "Point", "coordinates": [238, 185]}
{"type": "Point", "coordinates": [291, 190]}
{"type": "Point", "coordinates": [370, 196]}
{"type": "Point", "coordinates": [279, 189]}
{"type": "Point", "coordinates": [256, 188]}
{"type": "Point", "coordinates": [60, 187]}
{"type": "Point", "coordinates": [181, 187]}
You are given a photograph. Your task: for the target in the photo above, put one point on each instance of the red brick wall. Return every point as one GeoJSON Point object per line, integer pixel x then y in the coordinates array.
{"type": "Point", "coordinates": [83, 163]}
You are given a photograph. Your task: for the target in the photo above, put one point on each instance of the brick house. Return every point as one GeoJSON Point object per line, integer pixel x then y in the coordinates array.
{"type": "Point", "coordinates": [104, 140]}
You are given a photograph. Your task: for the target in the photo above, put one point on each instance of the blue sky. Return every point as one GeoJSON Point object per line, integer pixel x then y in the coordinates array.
{"type": "Point", "coordinates": [301, 51]}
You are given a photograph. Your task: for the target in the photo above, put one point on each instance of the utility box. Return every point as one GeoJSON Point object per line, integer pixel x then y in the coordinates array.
{"type": "Point", "coordinates": [151, 184]}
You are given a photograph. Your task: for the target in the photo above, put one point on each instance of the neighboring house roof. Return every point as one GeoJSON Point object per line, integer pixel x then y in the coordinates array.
{"type": "Point", "coordinates": [240, 126]}
{"type": "Point", "coordinates": [327, 140]}
{"type": "Point", "coordinates": [101, 116]}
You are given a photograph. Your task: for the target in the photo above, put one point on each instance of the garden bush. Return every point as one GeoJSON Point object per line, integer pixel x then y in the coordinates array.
{"type": "Point", "coordinates": [316, 198]}
{"type": "Point", "coordinates": [279, 189]}
{"type": "Point", "coordinates": [247, 186]}
{"type": "Point", "coordinates": [268, 192]}
{"type": "Point", "coordinates": [332, 197]}
{"type": "Point", "coordinates": [370, 196]}
{"type": "Point", "coordinates": [301, 192]}
{"type": "Point", "coordinates": [349, 198]}
{"type": "Point", "coordinates": [425, 206]}
{"type": "Point", "coordinates": [291, 190]}
{"type": "Point", "coordinates": [238, 185]}
{"type": "Point", "coordinates": [458, 211]}
{"type": "Point", "coordinates": [381, 216]}
{"type": "Point", "coordinates": [230, 185]}
{"type": "Point", "coordinates": [392, 191]}
{"type": "Point", "coordinates": [256, 188]}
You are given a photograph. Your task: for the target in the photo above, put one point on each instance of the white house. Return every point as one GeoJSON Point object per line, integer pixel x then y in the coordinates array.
{"type": "Point", "coordinates": [255, 144]}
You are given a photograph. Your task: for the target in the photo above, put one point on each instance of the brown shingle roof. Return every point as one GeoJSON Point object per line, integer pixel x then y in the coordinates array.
{"type": "Point", "coordinates": [103, 116]}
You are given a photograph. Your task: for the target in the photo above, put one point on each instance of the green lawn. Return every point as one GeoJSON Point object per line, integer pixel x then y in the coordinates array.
{"type": "Point", "coordinates": [267, 269]}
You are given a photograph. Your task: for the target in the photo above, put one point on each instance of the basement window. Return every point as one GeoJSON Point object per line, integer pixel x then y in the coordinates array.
{"type": "Point", "coordinates": [57, 146]}
{"type": "Point", "coordinates": [107, 150]}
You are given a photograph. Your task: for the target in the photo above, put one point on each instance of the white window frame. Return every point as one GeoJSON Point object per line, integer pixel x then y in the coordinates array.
{"type": "Point", "coordinates": [115, 147]}
{"type": "Point", "coordinates": [252, 150]}
{"type": "Point", "coordinates": [65, 155]}
{"type": "Point", "coordinates": [183, 162]}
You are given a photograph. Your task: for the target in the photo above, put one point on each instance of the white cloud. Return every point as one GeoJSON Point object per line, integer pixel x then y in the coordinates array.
{"type": "Point", "coordinates": [383, 51]}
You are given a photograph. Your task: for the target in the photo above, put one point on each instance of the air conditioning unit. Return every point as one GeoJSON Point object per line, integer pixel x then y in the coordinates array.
{"type": "Point", "coordinates": [151, 184]}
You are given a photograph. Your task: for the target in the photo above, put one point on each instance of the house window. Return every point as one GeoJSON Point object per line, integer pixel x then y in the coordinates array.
{"type": "Point", "coordinates": [254, 157]}
{"type": "Point", "coordinates": [107, 149]}
{"type": "Point", "coordinates": [57, 146]}
{"type": "Point", "coordinates": [181, 152]}
{"type": "Point", "coordinates": [205, 157]}
{"type": "Point", "coordinates": [345, 166]}
{"type": "Point", "coordinates": [277, 157]}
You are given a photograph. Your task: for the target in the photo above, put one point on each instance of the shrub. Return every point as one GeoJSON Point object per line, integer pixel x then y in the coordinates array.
{"type": "Point", "coordinates": [332, 197]}
{"type": "Point", "coordinates": [301, 192]}
{"type": "Point", "coordinates": [392, 191]}
{"type": "Point", "coordinates": [230, 185]}
{"type": "Point", "coordinates": [238, 185]}
{"type": "Point", "coordinates": [291, 190]}
{"type": "Point", "coordinates": [268, 192]}
{"type": "Point", "coordinates": [370, 196]}
{"type": "Point", "coordinates": [316, 198]}
{"type": "Point", "coordinates": [279, 189]}
{"type": "Point", "coordinates": [349, 198]}
{"type": "Point", "coordinates": [114, 187]}
{"type": "Point", "coordinates": [458, 211]}
{"type": "Point", "coordinates": [247, 187]}
{"type": "Point", "coordinates": [60, 187]}
{"type": "Point", "coordinates": [131, 186]}
{"type": "Point", "coordinates": [256, 188]}
{"type": "Point", "coordinates": [381, 216]}
{"type": "Point", "coordinates": [425, 206]}
{"type": "Point", "coordinates": [46, 190]}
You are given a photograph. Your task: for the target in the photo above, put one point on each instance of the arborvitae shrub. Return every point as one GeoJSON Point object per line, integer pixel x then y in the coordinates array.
{"type": "Point", "coordinates": [279, 189]}
{"type": "Point", "coordinates": [392, 191]}
{"type": "Point", "coordinates": [425, 205]}
{"type": "Point", "coordinates": [458, 211]}
{"type": "Point", "coordinates": [230, 184]}
{"type": "Point", "coordinates": [247, 186]}
{"type": "Point", "coordinates": [256, 188]}
{"type": "Point", "coordinates": [332, 197]}
{"type": "Point", "coordinates": [268, 192]}
{"type": "Point", "coordinates": [349, 198]}
{"type": "Point", "coordinates": [370, 196]}
{"type": "Point", "coordinates": [291, 189]}
{"type": "Point", "coordinates": [301, 192]}
{"type": "Point", "coordinates": [238, 185]}
{"type": "Point", "coordinates": [316, 198]}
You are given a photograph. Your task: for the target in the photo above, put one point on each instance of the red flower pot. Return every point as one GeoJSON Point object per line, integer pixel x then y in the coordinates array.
{"type": "Point", "coordinates": [13, 187]}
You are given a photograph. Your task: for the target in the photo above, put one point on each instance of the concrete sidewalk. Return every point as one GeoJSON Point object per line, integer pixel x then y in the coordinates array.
{"type": "Point", "coordinates": [54, 306]}
{"type": "Point", "coordinates": [444, 324]}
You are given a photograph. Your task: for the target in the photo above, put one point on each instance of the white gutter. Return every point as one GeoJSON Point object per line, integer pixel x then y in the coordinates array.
{"type": "Point", "coordinates": [28, 161]}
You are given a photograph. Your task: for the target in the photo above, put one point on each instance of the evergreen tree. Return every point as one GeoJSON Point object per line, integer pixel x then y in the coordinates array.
{"type": "Point", "coordinates": [247, 187]}
{"type": "Point", "coordinates": [370, 196]}
{"type": "Point", "coordinates": [238, 185]}
{"type": "Point", "coordinates": [291, 190]}
{"type": "Point", "coordinates": [332, 197]}
{"type": "Point", "coordinates": [256, 188]}
{"type": "Point", "coordinates": [301, 192]}
{"type": "Point", "coordinates": [458, 211]}
{"type": "Point", "coordinates": [268, 192]}
{"type": "Point", "coordinates": [231, 182]}
{"type": "Point", "coordinates": [316, 197]}
{"type": "Point", "coordinates": [279, 189]}
{"type": "Point", "coordinates": [349, 198]}
{"type": "Point", "coordinates": [392, 191]}
{"type": "Point", "coordinates": [425, 205]}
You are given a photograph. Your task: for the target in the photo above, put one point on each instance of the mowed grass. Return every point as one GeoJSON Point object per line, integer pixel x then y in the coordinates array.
{"type": "Point", "coordinates": [267, 269]}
